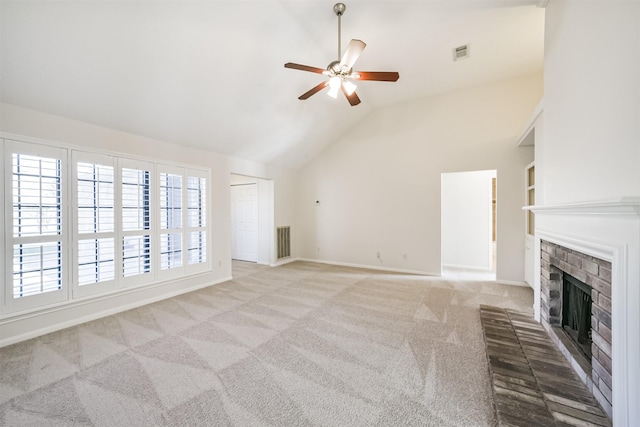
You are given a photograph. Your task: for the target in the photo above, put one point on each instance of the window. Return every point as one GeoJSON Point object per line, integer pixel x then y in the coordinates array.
{"type": "Point", "coordinates": [36, 223]}
{"type": "Point", "coordinates": [37, 210]}
{"type": "Point", "coordinates": [132, 222]}
{"type": "Point", "coordinates": [170, 220]}
{"type": "Point", "coordinates": [136, 219]}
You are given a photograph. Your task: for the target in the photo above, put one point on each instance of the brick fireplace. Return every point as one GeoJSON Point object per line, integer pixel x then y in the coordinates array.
{"type": "Point", "coordinates": [556, 262]}
{"type": "Point", "coordinates": [599, 244]}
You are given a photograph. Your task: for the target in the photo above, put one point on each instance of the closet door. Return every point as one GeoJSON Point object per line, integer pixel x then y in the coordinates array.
{"type": "Point", "coordinates": [244, 222]}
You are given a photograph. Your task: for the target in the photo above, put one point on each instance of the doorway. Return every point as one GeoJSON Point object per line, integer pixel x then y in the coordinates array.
{"type": "Point", "coordinates": [252, 216]}
{"type": "Point", "coordinates": [468, 230]}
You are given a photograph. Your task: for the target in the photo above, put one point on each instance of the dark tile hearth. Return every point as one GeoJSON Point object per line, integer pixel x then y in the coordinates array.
{"type": "Point", "coordinates": [533, 385]}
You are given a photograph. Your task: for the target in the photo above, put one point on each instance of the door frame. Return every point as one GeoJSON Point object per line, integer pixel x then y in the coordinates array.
{"type": "Point", "coordinates": [266, 225]}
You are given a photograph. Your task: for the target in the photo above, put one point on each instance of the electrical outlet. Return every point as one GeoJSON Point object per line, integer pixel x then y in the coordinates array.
{"type": "Point", "coordinates": [219, 263]}
{"type": "Point", "coordinates": [405, 256]}
{"type": "Point", "coordinates": [377, 254]}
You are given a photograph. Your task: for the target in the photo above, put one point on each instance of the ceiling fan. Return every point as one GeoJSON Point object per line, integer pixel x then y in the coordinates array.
{"type": "Point", "coordinates": [340, 72]}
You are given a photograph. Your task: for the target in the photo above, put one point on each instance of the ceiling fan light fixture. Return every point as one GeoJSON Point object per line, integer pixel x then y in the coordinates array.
{"type": "Point", "coordinates": [350, 87]}
{"type": "Point", "coordinates": [334, 86]}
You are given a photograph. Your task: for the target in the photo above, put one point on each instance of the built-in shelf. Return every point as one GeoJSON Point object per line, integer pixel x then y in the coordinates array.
{"type": "Point", "coordinates": [530, 197]}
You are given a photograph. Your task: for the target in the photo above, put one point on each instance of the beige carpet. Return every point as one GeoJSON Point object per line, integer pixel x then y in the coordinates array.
{"type": "Point", "coordinates": [302, 344]}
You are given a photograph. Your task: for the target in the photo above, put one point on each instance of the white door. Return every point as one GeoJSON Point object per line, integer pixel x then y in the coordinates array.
{"type": "Point", "coordinates": [244, 222]}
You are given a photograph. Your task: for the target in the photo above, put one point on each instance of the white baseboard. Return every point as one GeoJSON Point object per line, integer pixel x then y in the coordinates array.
{"type": "Point", "coordinates": [284, 261]}
{"type": "Point", "coordinates": [513, 283]}
{"type": "Point", "coordinates": [23, 327]}
{"type": "Point", "coordinates": [369, 267]}
{"type": "Point", "coordinates": [468, 267]}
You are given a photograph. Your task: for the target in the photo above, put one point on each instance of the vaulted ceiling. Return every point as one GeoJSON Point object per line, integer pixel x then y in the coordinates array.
{"type": "Point", "coordinates": [209, 74]}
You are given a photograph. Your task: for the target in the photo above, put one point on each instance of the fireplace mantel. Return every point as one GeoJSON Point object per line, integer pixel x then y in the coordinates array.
{"type": "Point", "coordinates": [621, 206]}
{"type": "Point", "coordinates": [609, 230]}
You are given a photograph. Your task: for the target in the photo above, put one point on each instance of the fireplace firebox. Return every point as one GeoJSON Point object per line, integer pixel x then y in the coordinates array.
{"type": "Point", "coordinates": [576, 313]}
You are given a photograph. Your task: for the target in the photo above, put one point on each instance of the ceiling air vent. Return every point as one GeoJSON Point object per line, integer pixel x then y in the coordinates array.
{"type": "Point", "coordinates": [461, 52]}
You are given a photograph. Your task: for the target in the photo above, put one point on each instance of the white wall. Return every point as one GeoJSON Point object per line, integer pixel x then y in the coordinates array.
{"type": "Point", "coordinates": [592, 101]}
{"type": "Point", "coordinates": [34, 124]}
{"type": "Point", "coordinates": [587, 162]}
{"type": "Point", "coordinates": [467, 219]}
{"type": "Point", "coordinates": [379, 185]}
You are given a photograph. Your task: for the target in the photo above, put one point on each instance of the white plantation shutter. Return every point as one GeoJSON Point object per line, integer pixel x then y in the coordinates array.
{"type": "Point", "coordinates": [36, 259]}
{"type": "Point", "coordinates": [196, 219]}
{"type": "Point", "coordinates": [171, 211]}
{"type": "Point", "coordinates": [95, 260]}
{"type": "Point", "coordinates": [37, 268]}
{"type": "Point", "coordinates": [82, 223]}
{"type": "Point", "coordinates": [136, 219]}
{"type": "Point", "coordinates": [37, 211]}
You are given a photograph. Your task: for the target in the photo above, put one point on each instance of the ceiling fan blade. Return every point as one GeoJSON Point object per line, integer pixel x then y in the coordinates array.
{"type": "Point", "coordinates": [352, 53]}
{"type": "Point", "coordinates": [353, 98]}
{"type": "Point", "coordinates": [304, 68]}
{"type": "Point", "coordinates": [314, 90]}
{"type": "Point", "coordinates": [381, 76]}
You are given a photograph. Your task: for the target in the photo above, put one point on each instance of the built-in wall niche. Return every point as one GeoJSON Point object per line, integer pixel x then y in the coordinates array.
{"type": "Point", "coordinates": [530, 188]}
{"type": "Point", "coordinates": [530, 226]}
{"type": "Point", "coordinates": [528, 138]}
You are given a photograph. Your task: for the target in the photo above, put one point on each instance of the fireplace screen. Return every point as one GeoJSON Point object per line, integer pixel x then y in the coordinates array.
{"type": "Point", "coordinates": [576, 313]}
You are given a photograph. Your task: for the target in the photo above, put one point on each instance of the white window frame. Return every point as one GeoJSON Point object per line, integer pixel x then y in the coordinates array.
{"type": "Point", "coordinates": [148, 277]}
{"type": "Point", "coordinates": [107, 285]}
{"type": "Point", "coordinates": [70, 292]}
{"type": "Point", "coordinates": [12, 304]}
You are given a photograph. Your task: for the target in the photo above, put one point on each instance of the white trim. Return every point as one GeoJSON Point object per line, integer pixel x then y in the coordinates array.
{"type": "Point", "coordinates": [73, 321]}
{"type": "Point", "coordinates": [524, 140]}
{"type": "Point", "coordinates": [513, 283]}
{"type": "Point", "coordinates": [621, 206]}
{"type": "Point", "coordinates": [393, 270]}
{"type": "Point", "coordinates": [469, 267]}
{"type": "Point", "coordinates": [284, 261]}
{"type": "Point", "coordinates": [596, 249]}
{"type": "Point", "coordinates": [369, 267]}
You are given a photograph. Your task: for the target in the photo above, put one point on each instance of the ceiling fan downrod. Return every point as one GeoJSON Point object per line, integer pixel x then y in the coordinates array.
{"type": "Point", "coordinates": [339, 9]}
